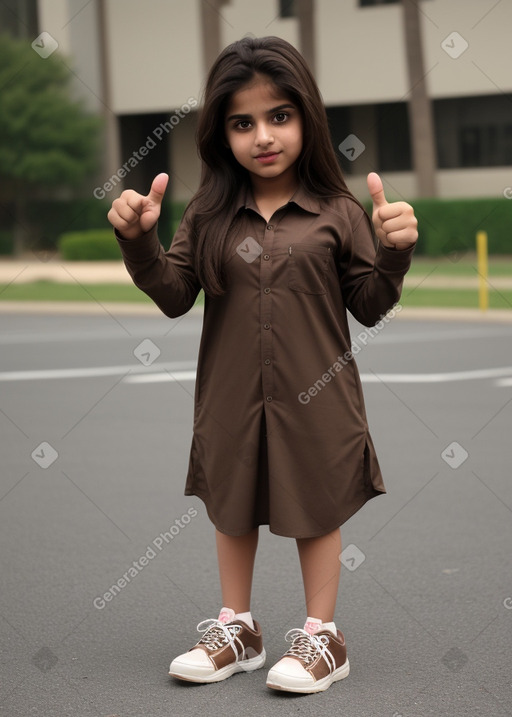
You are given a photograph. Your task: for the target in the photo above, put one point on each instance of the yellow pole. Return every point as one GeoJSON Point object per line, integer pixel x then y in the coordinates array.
{"type": "Point", "coordinates": [483, 290]}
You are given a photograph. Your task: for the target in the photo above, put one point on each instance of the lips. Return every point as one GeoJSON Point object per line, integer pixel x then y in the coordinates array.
{"type": "Point", "coordinates": [266, 157]}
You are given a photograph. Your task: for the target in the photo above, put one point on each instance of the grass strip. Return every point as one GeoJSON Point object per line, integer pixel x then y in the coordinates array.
{"type": "Point", "coordinates": [465, 265]}
{"type": "Point", "coordinates": [56, 291]}
{"type": "Point", "coordinates": [454, 298]}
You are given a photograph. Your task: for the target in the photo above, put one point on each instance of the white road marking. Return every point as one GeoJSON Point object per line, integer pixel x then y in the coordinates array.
{"type": "Point", "coordinates": [436, 377]}
{"type": "Point", "coordinates": [504, 382]}
{"type": "Point", "coordinates": [96, 372]}
{"type": "Point", "coordinates": [161, 377]}
{"type": "Point", "coordinates": [374, 377]}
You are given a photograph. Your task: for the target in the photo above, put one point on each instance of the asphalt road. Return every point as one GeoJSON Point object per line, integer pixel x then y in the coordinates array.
{"type": "Point", "coordinates": [95, 439]}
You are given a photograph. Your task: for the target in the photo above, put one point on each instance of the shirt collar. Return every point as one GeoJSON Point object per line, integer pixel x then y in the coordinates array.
{"type": "Point", "coordinates": [304, 200]}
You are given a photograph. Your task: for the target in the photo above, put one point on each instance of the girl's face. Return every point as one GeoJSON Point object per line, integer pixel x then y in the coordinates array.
{"type": "Point", "coordinates": [264, 130]}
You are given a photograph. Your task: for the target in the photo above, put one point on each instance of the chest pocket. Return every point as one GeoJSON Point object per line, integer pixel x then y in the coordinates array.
{"type": "Point", "coordinates": [307, 268]}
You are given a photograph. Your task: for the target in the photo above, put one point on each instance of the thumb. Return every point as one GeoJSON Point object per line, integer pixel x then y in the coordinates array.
{"type": "Point", "coordinates": [376, 190]}
{"type": "Point", "coordinates": [158, 187]}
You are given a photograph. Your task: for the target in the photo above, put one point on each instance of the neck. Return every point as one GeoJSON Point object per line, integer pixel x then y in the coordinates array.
{"type": "Point", "coordinates": [282, 187]}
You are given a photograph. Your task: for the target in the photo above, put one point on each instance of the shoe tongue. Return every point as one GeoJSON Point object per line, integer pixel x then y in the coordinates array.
{"type": "Point", "coordinates": [226, 615]}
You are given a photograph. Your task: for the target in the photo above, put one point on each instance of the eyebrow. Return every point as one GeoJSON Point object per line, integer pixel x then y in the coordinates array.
{"type": "Point", "coordinates": [269, 112]}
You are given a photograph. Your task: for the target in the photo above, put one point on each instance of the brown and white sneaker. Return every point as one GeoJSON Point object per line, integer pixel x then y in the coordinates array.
{"type": "Point", "coordinates": [312, 663]}
{"type": "Point", "coordinates": [224, 648]}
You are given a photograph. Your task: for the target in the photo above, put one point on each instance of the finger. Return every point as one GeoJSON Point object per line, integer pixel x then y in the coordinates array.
{"type": "Point", "coordinates": [395, 209]}
{"type": "Point", "coordinates": [396, 224]}
{"type": "Point", "coordinates": [117, 222]}
{"type": "Point", "coordinates": [125, 212]}
{"type": "Point", "coordinates": [158, 187]}
{"type": "Point", "coordinates": [376, 190]}
{"type": "Point", "coordinates": [133, 200]}
{"type": "Point", "coordinates": [405, 236]}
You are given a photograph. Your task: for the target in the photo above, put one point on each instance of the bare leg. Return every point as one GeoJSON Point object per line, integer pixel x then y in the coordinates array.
{"type": "Point", "coordinates": [321, 565]}
{"type": "Point", "coordinates": [236, 563]}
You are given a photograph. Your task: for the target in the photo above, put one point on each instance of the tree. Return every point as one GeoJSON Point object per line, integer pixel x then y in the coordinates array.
{"type": "Point", "coordinates": [306, 17]}
{"type": "Point", "coordinates": [47, 139]}
{"type": "Point", "coordinates": [420, 106]}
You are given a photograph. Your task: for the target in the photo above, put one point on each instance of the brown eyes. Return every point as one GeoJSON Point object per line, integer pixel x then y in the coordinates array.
{"type": "Point", "coordinates": [278, 118]}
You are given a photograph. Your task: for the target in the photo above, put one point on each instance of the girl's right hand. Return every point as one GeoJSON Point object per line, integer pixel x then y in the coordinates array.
{"type": "Point", "coordinates": [134, 214]}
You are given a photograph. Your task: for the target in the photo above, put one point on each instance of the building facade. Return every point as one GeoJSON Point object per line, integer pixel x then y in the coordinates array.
{"type": "Point", "coordinates": [143, 66]}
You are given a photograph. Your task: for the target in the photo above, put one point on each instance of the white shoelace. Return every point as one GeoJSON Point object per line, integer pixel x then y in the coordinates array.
{"type": "Point", "coordinates": [306, 647]}
{"type": "Point", "coordinates": [216, 634]}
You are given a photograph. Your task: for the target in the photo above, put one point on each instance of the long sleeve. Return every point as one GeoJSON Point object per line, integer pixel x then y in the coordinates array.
{"type": "Point", "coordinates": [169, 278]}
{"type": "Point", "coordinates": [371, 279]}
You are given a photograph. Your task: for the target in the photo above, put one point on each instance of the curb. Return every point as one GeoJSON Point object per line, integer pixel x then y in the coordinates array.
{"type": "Point", "coordinates": [502, 316]}
{"type": "Point", "coordinates": [85, 308]}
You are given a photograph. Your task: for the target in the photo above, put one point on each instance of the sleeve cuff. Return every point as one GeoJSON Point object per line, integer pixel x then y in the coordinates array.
{"type": "Point", "coordinates": [144, 247]}
{"type": "Point", "coordinates": [394, 260]}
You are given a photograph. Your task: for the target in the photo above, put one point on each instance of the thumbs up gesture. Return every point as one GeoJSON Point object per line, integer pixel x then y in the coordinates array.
{"type": "Point", "coordinates": [395, 223]}
{"type": "Point", "coordinates": [134, 214]}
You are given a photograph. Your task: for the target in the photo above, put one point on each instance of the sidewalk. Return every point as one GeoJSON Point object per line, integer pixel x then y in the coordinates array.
{"type": "Point", "coordinates": [66, 272]}
{"type": "Point", "coordinates": [114, 272]}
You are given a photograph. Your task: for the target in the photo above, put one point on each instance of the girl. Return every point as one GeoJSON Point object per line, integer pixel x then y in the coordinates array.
{"type": "Point", "coordinates": [282, 249]}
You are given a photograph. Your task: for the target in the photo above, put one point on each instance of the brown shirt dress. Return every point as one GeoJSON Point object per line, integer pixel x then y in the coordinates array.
{"type": "Point", "coordinates": [280, 431]}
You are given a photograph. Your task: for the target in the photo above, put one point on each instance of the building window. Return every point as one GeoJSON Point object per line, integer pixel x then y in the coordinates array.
{"type": "Point", "coordinates": [287, 8]}
{"type": "Point", "coordinates": [393, 138]}
{"type": "Point", "coordinates": [469, 132]}
{"type": "Point", "coordinates": [19, 19]}
{"type": "Point", "coordinates": [371, 3]}
{"type": "Point", "coordinates": [474, 131]}
{"type": "Point", "coordinates": [384, 131]}
{"type": "Point", "coordinates": [134, 131]}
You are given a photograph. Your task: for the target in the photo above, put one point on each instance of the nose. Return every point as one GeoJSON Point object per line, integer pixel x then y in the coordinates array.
{"type": "Point", "coordinates": [264, 135]}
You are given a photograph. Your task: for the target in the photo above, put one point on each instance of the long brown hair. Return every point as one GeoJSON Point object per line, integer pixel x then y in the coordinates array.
{"type": "Point", "coordinates": [221, 175]}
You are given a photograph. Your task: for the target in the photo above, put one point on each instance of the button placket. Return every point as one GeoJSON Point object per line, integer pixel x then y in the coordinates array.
{"type": "Point", "coordinates": [266, 313]}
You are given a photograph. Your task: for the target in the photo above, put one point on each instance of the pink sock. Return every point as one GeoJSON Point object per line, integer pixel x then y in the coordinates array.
{"type": "Point", "coordinates": [314, 625]}
{"type": "Point", "coordinates": [228, 615]}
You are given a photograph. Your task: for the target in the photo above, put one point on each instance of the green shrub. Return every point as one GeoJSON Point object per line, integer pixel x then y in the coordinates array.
{"type": "Point", "coordinates": [52, 218]}
{"type": "Point", "coordinates": [446, 226]}
{"type": "Point", "coordinates": [92, 245]}
{"type": "Point", "coordinates": [449, 226]}
{"type": "Point", "coordinates": [6, 243]}
{"type": "Point", "coordinates": [169, 221]}
{"type": "Point", "coordinates": [100, 244]}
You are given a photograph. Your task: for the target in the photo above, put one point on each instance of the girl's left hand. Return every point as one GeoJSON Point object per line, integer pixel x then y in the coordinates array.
{"type": "Point", "coordinates": [395, 224]}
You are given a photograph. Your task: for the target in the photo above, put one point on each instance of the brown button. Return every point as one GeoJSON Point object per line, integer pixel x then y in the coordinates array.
{"type": "Point", "coordinates": [266, 326]}
{"type": "Point", "coordinates": [270, 227]}
{"type": "Point", "coordinates": [267, 362]}
{"type": "Point", "coordinates": [266, 257]}
{"type": "Point", "coordinates": [267, 290]}
{"type": "Point", "coordinates": [269, 398]}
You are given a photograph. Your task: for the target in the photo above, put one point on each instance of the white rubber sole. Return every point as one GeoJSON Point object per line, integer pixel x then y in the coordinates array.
{"type": "Point", "coordinates": [286, 683]}
{"type": "Point", "coordinates": [204, 674]}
